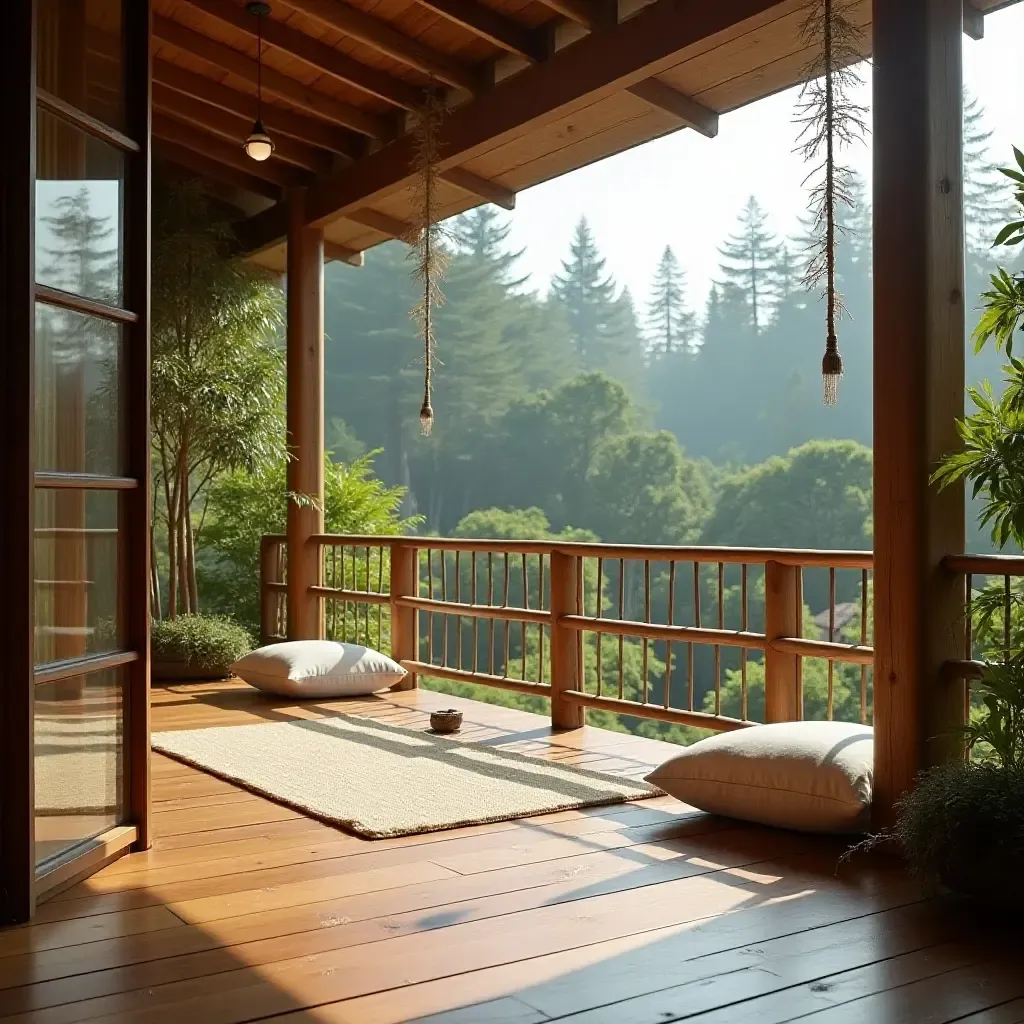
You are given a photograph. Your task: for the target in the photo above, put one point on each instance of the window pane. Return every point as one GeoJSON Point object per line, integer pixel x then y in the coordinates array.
{"type": "Point", "coordinates": [78, 55]}
{"type": "Point", "coordinates": [76, 574]}
{"type": "Point", "coordinates": [79, 760]}
{"type": "Point", "coordinates": [77, 393]}
{"type": "Point", "coordinates": [79, 211]}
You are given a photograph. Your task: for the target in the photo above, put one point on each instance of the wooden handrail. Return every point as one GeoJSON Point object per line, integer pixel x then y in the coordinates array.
{"type": "Point", "coordinates": [985, 565]}
{"type": "Point", "coordinates": [414, 602]}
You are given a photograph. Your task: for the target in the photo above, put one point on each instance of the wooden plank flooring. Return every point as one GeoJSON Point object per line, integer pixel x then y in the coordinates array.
{"type": "Point", "coordinates": [635, 914]}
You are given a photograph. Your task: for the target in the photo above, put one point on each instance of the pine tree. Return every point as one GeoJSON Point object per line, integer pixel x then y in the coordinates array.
{"type": "Point", "coordinates": [670, 324]}
{"type": "Point", "coordinates": [785, 276]}
{"type": "Point", "coordinates": [483, 235]}
{"type": "Point", "coordinates": [591, 307]}
{"type": "Point", "coordinates": [987, 199]}
{"type": "Point", "coordinates": [747, 258]}
{"type": "Point", "coordinates": [82, 259]}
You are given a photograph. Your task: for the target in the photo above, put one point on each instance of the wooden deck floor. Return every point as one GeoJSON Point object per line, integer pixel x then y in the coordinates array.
{"type": "Point", "coordinates": [636, 914]}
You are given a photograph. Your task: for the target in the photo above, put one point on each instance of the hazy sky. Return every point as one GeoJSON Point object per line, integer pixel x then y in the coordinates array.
{"type": "Point", "coordinates": [686, 191]}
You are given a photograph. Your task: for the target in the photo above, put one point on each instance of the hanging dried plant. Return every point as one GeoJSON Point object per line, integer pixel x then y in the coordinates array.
{"type": "Point", "coordinates": [428, 249]}
{"type": "Point", "coordinates": [831, 121]}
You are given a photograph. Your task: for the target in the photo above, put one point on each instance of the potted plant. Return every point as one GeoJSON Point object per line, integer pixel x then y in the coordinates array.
{"type": "Point", "coordinates": [962, 827]}
{"type": "Point", "coordinates": [197, 647]}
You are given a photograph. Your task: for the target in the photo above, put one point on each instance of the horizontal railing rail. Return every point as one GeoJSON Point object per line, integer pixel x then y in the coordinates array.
{"type": "Point", "coordinates": [708, 637]}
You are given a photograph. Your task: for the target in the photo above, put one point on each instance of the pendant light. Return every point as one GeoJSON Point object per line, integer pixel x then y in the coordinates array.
{"type": "Point", "coordinates": [259, 145]}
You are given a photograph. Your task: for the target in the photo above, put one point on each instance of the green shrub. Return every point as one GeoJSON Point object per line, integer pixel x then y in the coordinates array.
{"type": "Point", "coordinates": [203, 642]}
{"type": "Point", "coordinates": [963, 827]}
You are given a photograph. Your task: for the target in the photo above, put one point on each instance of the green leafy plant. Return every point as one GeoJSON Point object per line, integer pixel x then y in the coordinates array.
{"type": "Point", "coordinates": [205, 643]}
{"type": "Point", "coordinates": [962, 827]}
{"type": "Point", "coordinates": [996, 734]}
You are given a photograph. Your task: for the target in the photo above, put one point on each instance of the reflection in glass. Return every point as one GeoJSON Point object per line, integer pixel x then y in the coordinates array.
{"type": "Point", "coordinates": [76, 556]}
{"type": "Point", "coordinates": [78, 55]}
{"type": "Point", "coordinates": [77, 393]}
{"type": "Point", "coordinates": [79, 207]}
{"type": "Point", "coordinates": [79, 756]}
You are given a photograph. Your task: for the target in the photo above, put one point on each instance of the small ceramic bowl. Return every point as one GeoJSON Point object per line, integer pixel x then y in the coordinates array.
{"type": "Point", "coordinates": [446, 721]}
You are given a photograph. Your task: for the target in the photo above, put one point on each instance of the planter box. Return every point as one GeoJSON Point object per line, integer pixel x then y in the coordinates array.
{"type": "Point", "coordinates": [169, 671]}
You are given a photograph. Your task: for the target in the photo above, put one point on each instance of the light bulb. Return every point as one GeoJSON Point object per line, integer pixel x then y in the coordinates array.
{"type": "Point", "coordinates": [259, 145]}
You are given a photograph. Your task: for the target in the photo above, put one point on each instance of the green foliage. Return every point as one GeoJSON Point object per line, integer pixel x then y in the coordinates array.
{"type": "Point", "coordinates": [217, 372]}
{"type": "Point", "coordinates": [671, 327]}
{"type": "Point", "coordinates": [246, 506]}
{"type": "Point", "coordinates": [963, 826]}
{"type": "Point", "coordinates": [997, 733]}
{"type": "Point", "coordinates": [205, 642]}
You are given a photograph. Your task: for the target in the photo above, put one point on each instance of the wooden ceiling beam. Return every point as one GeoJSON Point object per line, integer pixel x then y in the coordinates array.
{"type": "Point", "coordinates": [489, 24]}
{"type": "Point", "coordinates": [342, 254]}
{"type": "Point", "coordinates": [692, 114]}
{"type": "Point", "coordinates": [235, 127]}
{"type": "Point", "coordinates": [226, 58]}
{"type": "Point", "coordinates": [383, 37]}
{"type": "Point", "coordinates": [482, 188]}
{"type": "Point", "coordinates": [208, 167]}
{"type": "Point", "coordinates": [199, 141]}
{"type": "Point", "coordinates": [310, 130]}
{"type": "Point", "coordinates": [583, 12]}
{"type": "Point", "coordinates": [382, 222]}
{"type": "Point", "coordinates": [974, 21]}
{"type": "Point", "coordinates": [316, 54]}
{"type": "Point", "coordinates": [597, 66]}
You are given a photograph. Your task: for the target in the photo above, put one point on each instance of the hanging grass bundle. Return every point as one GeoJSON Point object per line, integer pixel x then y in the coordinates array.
{"type": "Point", "coordinates": [830, 121]}
{"type": "Point", "coordinates": [428, 250]}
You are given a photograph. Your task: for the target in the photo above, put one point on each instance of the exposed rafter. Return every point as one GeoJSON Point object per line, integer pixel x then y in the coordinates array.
{"type": "Point", "coordinates": [342, 254]}
{"type": "Point", "coordinates": [227, 58]}
{"type": "Point", "coordinates": [234, 127]}
{"type": "Point", "coordinates": [489, 24]}
{"type": "Point", "coordinates": [584, 12]}
{"type": "Point", "coordinates": [316, 54]}
{"type": "Point", "coordinates": [974, 21]}
{"type": "Point", "coordinates": [307, 129]}
{"type": "Point", "coordinates": [385, 38]}
{"type": "Point", "coordinates": [596, 66]}
{"type": "Point", "coordinates": [382, 222]}
{"type": "Point", "coordinates": [208, 167]}
{"type": "Point", "coordinates": [489, 191]}
{"type": "Point", "coordinates": [693, 114]}
{"type": "Point", "coordinates": [190, 137]}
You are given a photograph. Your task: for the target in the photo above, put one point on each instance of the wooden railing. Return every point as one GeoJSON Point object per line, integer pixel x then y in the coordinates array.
{"type": "Point", "coordinates": [988, 586]}
{"type": "Point", "coordinates": [698, 636]}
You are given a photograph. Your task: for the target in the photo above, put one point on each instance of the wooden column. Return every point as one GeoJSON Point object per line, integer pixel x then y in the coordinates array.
{"type": "Point", "coordinates": [405, 641]}
{"type": "Point", "coordinates": [565, 670]}
{"type": "Point", "coordinates": [305, 415]}
{"type": "Point", "coordinates": [17, 623]}
{"type": "Point", "coordinates": [918, 383]}
{"type": "Point", "coordinates": [782, 613]}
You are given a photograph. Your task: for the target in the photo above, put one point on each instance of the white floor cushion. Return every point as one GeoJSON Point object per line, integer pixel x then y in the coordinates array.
{"type": "Point", "coordinates": [810, 776]}
{"type": "Point", "coordinates": [318, 668]}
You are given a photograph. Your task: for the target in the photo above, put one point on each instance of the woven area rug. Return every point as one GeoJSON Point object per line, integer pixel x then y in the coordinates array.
{"type": "Point", "coordinates": [78, 764]}
{"type": "Point", "coordinates": [379, 780]}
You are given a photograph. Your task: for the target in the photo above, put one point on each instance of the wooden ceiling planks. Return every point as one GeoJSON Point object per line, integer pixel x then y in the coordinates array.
{"type": "Point", "coordinates": [404, 45]}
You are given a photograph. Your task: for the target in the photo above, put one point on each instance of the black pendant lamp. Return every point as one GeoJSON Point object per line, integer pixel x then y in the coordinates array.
{"type": "Point", "coordinates": [259, 145]}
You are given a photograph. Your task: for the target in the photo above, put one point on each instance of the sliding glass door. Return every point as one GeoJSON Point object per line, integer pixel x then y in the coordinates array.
{"type": "Point", "coordinates": [88, 435]}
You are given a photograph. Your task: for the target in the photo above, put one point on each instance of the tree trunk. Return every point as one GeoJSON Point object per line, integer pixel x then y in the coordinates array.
{"type": "Point", "coordinates": [190, 564]}
{"type": "Point", "coordinates": [154, 578]}
{"type": "Point", "coordinates": [172, 551]}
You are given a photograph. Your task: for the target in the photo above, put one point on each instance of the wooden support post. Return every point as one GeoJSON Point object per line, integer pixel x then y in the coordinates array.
{"type": "Point", "coordinates": [268, 596]}
{"type": "Point", "coordinates": [782, 613]}
{"type": "Point", "coordinates": [918, 383]}
{"type": "Point", "coordinates": [405, 640]}
{"type": "Point", "coordinates": [565, 670]}
{"type": "Point", "coordinates": [305, 414]}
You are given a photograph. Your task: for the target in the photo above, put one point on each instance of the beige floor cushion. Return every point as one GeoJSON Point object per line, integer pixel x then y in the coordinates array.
{"type": "Point", "coordinates": [810, 776]}
{"type": "Point", "coordinates": [318, 668]}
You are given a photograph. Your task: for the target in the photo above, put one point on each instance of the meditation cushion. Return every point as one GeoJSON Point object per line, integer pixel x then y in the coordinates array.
{"type": "Point", "coordinates": [810, 776]}
{"type": "Point", "coordinates": [318, 668]}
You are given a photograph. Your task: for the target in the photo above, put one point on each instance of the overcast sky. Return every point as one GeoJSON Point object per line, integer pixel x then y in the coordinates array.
{"type": "Point", "coordinates": [686, 191]}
